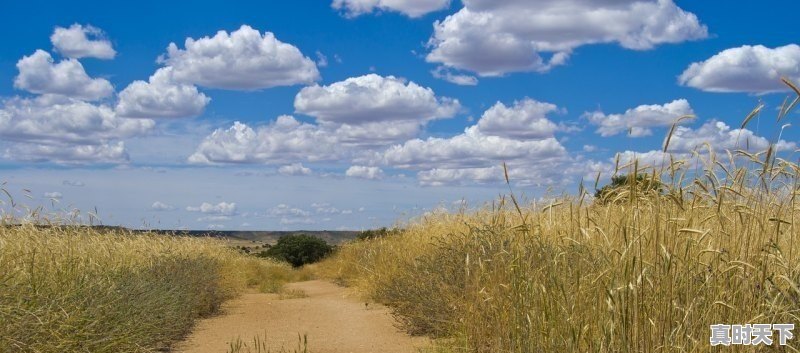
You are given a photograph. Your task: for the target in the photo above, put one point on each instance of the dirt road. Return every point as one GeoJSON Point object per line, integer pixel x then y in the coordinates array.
{"type": "Point", "coordinates": [334, 321]}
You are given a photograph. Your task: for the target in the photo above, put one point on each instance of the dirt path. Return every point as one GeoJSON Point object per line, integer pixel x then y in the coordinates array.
{"type": "Point", "coordinates": [334, 322]}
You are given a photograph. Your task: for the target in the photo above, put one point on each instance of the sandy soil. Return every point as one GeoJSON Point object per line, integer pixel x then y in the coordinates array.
{"type": "Point", "coordinates": [334, 321]}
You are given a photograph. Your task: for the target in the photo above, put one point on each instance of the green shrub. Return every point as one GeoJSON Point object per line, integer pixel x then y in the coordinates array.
{"type": "Point", "coordinates": [622, 185]}
{"type": "Point", "coordinates": [298, 250]}
{"type": "Point", "coordinates": [377, 233]}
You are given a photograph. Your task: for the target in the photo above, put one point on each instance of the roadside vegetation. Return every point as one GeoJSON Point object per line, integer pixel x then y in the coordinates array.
{"type": "Point", "coordinates": [298, 250]}
{"type": "Point", "coordinates": [85, 289]}
{"type": "Point", "coordinates": [662, 253]}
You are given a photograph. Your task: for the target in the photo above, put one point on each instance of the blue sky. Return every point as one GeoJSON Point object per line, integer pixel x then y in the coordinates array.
{"type": "Point", "coordinates": [352, 113]}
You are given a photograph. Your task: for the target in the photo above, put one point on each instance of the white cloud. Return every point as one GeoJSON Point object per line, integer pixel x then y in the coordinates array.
{"type": "Point", "coordinates": [222, 208]}
{"type": "Point", "coordinates": [374, 110]}
{"type": "Point", "coordinates": [716, 134]}
{"type": "Point", "coordinates": [291, 221]}
{"type": "Point", "coordinates": [215, 226]}
{"type": "Point", "coordinates": [438, 177]}
{"type": "Point", "coordinates": [241, 60]}
{"type": "Point", "coordinates": [754, 69]}
{"type": "Point", "coordinates": [653, 158]}
{"type": "Point", "coordinates": [322, 60]}
{"type": "Point", "coordinates": [52, 119]}
{"type": "Point", "coordinates": [103, 153]}
{"type": "Point", "coordinates": [53, 195]}
{"type": "Point", "coordinates": [325, 208]}
{"type": "Point", "coordinates": [341, 131]}
{"type": "Point", "coordinates": [373, 98]}
{"type": "Point", "coordinates": [470, 149]}
{"type": "Point", "coordinates": [284, 211]}
{"type": "Point", "coordinates": [525, 119]}
{"type": "Point", "coordinates": [559, 171]}
{"type": "Point", "coordinates": [411, 8]}
{"type": "Point", "coordinates": [363, 172]}
{"type": "Point", "coordinates": [443, 73]}
{"type": "Point", "coordinates": [74, 183]}
{"type": "Point", "coordinates": [294, 169]}
{"type": "Point", "coordinates": [63, 130]}
{"type": "Point", "coordinates": [639, 121]}
{"type": "Point", "coordinates": [493, 38]}
{"type": "Point", "coordinates": [38, 73]}
{"type": "Point", "coordinates": [214, 219]}
{"type": "Point", "coordinates": [160, 206]}
{"type": "Point", "coordinates": [79, 41]}
{"type": "Point", "coordinates": [284, 141]}
{"type": "Point", "coordinates": [376, 133]}
{"type": "Point", "coordinates": [161, 97]}
{"type": "Point", "coordinates": [721, 137]}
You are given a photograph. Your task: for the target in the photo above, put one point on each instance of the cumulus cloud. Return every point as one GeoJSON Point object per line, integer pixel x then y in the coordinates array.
{"type": "Point", "coordinates": [721, 137]}
{"type": "Point", "coordinates": [284, 141]}
{"type": "Point", "coordinates": [294, 169]}
{"type": "Point", "coordinates": [214, 219]}
{"type": "Point", "coordinates": [358, 113]}
{"type": "Point", "coordinates": [102, 153]}
{"type": "Point", "coordinates": [244, 59]}
{"type": "Point", "coordinates": [161, 97]}
{"type": "Point", "coordinates": [470, 149]}
{"type": "Point", "coordinates": [525, 119]}
{"type": "Point", "coordinates": [326, 208]}
{"type": "Point", "coordinates": [639, 121]}
{"type": "Point", "coordinates": [375, 134]}
{"type": "Point", "coordinates": [374, 110]}
{"type": "Point", "coordinates": [63, 130]}
{"type": "Point", "coordinates": [38, 73]}
{"type": "Point", "coordinates": [52, 119]}
{"type": "Point", "coordinates": [410, 8]}
{"type": "Point", "coordinates": [160, 206]}
{"type": "Point", "coordinates": [493, 38]}
{"type": "Point", "coordinates": [438, 176]}
{"type": "Point", "coordinates": [222, 208]}
{"type": "Point", "coordinates": [80, 41]}
{"type": "Point", "coordinates": [373, 98]}
{"type": "Point", "coordinates": [716, 134]}
{"type": "Point", "coordinates": [75, 183]}
{"type": "Point", "coordinates": [753, 69]}
{"type": "Point", "coordinates": [290, 221]}
{"type": "Point", "coordinates": [554, 171]}
{"type": "Point", "coordinates": [364, 172]}
{"type": "Point", "coordinates": [286, 211]}
{"type": "Point", "coordinates": [53, 195]}
{"type": "Point", "coordinates": [443, 73]}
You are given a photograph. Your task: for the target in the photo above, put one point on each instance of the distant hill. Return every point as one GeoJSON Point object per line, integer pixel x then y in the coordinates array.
{"type": "Point", "coordinates": [332, 237]}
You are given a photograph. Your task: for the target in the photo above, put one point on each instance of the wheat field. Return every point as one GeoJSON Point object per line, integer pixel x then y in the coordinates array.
{"type": "Point", "coordinates": [83, 289]}
{"type": "Point", "coordinates": [640, 270]}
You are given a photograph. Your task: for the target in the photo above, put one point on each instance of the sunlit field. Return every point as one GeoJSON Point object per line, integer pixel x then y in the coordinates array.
{"type": "Point", "coordinates": [80, 289]}
{"type": "Point", "coordinates": [640, 269]}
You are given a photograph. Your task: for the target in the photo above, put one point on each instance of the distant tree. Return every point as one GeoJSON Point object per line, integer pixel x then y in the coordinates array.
{"type": "Point", "coordinates": [377, 233]}
{"type": "Point", "coordinates": [298, 249]}
{"type": "Point", "coordinates": [644, 183]}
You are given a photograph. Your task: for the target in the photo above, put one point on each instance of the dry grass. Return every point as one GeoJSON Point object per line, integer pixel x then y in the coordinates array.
{"type": "Point", "coordinates": [644, 272]}
{"type": "Point", "coordinates": [78, 289]}
{"type": "Point", "coordinates": [260, 344]}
